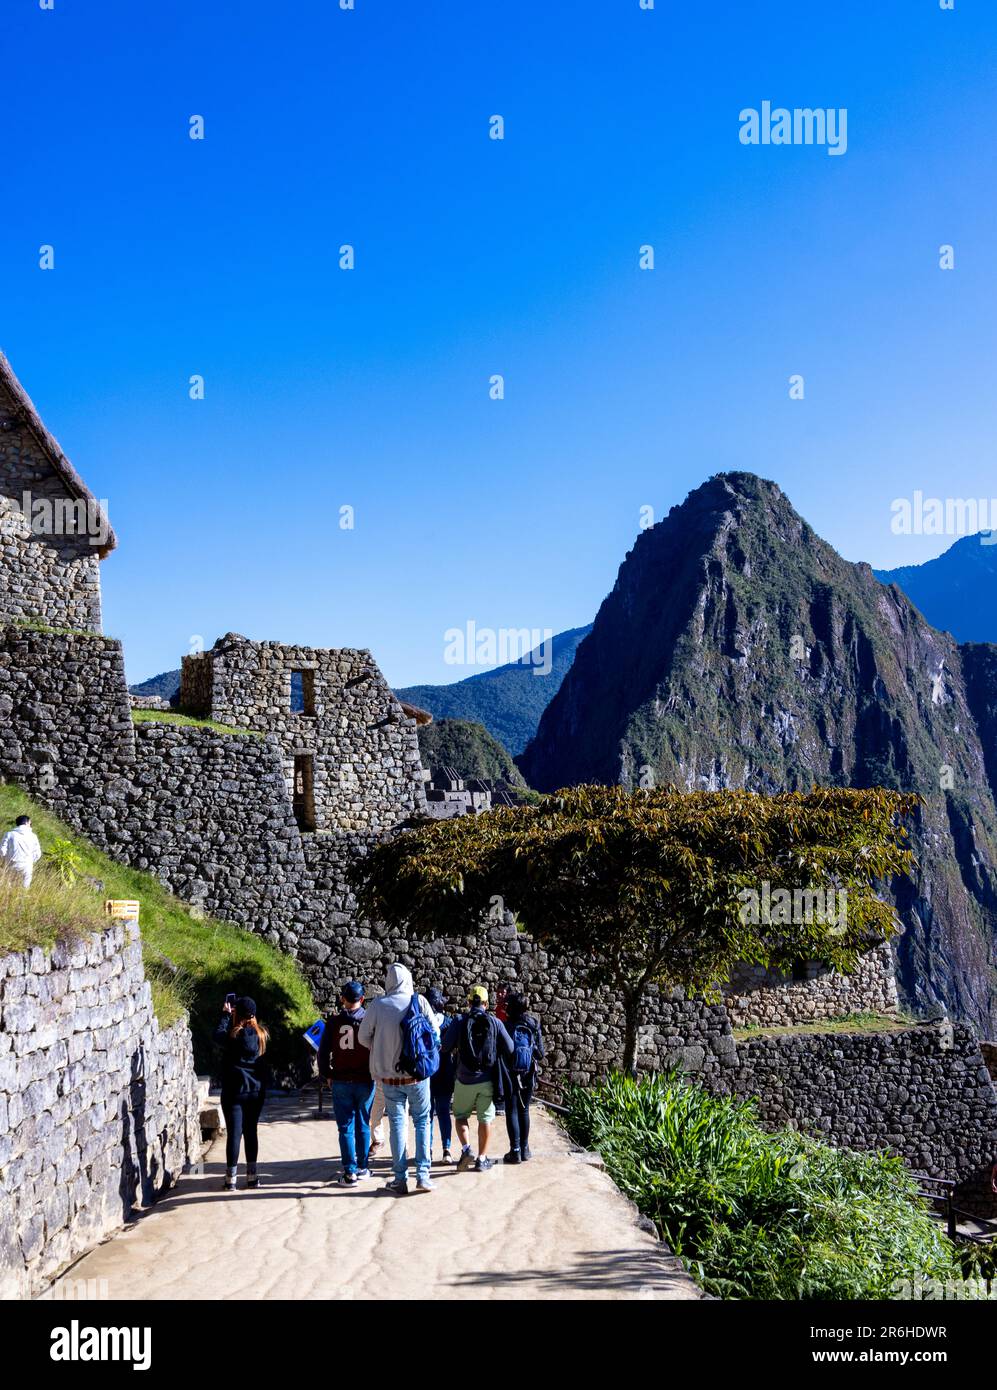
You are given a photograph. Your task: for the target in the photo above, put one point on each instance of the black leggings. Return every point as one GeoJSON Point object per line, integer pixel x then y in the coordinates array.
{"type": "Point", "coordinates": [517, 1114]}
{"type": "Point", "coordinates": [241, 1118]}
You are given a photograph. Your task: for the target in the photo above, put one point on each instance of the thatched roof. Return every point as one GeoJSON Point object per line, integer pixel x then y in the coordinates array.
{"type": "Point", "coordinates": [28, 416]}
{"type": "Point", "coordinates": [421, 716]}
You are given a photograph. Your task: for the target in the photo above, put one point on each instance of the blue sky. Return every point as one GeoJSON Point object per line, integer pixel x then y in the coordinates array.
{"type": "Point", "coordinates": [369, 388]}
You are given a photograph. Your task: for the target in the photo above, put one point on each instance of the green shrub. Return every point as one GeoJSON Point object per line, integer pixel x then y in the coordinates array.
{"type": "Point", "coordinates": [62, 857]}
{"type": "Point", "coordinates": [754, 1214]}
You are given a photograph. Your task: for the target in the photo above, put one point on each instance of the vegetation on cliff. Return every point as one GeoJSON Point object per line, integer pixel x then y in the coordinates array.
{"type": "Point", "coordinates": [760, 1215]}
{"type": "Point", "coordinates": [190, 962]}
{"type": "Point", "coordinates": [469, 748]}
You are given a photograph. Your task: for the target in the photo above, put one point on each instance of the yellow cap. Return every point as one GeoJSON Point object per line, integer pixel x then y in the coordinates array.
{"type": "Point", "coordinates": [479, 993]}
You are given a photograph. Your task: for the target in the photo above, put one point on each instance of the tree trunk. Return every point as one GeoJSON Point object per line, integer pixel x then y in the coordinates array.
{"type": "Point", "coordinates": [632, 1001]}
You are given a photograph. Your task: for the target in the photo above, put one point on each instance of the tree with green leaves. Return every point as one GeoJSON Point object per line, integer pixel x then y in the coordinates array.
{"type": "Point", "coordinates": [656, 887]}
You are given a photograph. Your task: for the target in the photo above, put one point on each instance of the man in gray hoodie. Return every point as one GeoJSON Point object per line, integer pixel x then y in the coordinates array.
{"type": "Point", "coordinates": [381, 1032]}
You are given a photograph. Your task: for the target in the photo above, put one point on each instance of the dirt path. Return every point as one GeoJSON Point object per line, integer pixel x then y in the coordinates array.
{"type": "Point", "coordinates": [552, 1228]}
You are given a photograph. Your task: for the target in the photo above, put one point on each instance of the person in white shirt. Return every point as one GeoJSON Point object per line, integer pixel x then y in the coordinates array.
{"type": "Point", "coordinates": [20, 850]}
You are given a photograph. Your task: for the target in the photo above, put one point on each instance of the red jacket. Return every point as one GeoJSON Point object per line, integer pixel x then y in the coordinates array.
{"type": "Point", "coordinates": [341, 1056]}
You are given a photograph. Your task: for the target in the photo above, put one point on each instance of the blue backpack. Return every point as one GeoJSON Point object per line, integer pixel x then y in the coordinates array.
{"type": "Point", "coordinates": [420, 1049]}
{"type": "Point", "coordinates": [523, 1042]}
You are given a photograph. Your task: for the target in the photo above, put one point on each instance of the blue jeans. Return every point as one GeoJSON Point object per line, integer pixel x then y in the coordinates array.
{"type": "Point", "coordinates": [399, 1102]}
{"type": "Point", "coordinates": [441, 1102]}
{"type": "Point", "coordinates": [351, 1101]}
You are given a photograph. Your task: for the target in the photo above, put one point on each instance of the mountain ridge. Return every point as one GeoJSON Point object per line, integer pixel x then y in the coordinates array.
{"type": "Point", "coordinates": [957, 590]}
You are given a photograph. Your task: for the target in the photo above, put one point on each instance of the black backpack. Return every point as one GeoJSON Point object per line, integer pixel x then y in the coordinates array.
{"type": "Point", "coordinates": [478, 1041]}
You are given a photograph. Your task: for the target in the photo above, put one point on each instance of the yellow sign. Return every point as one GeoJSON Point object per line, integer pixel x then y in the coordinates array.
{"type": "Point", "coordinates": [123, 909]}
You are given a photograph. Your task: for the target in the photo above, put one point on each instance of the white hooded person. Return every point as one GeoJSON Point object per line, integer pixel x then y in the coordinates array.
{"type": "Point", "coordinates": [20, 851]}
{"type": "Point", "coordinates": [383, 1031]}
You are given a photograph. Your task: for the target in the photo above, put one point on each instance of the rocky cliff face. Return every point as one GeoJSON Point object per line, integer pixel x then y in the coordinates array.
{"type": "Point", "coordinates": [739, 649]}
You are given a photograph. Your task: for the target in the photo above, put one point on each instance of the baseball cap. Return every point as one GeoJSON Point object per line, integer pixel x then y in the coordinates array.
{"type": "Point", "coordinates": [353, 990]}
{"type": "Point", "coordinates": [478, 994]}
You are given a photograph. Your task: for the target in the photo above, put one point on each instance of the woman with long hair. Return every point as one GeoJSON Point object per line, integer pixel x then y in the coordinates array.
{"type": "Point", "coordinates": [528, 1050]}
{"type": "Point", "coordinates": [242, 1040]}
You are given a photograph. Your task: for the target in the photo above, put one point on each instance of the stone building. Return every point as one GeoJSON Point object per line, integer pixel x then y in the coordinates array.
{"type": "Point", "coordinates": [351, 755]}
{"type": "Point", "coordinates": [448, 795]}
{"type": "Point", "coordinates": [53, 531]}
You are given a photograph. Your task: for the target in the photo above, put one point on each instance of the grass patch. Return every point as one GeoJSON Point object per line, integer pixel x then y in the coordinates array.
{"type": "Point", "coordinates": [191, 963]}
{"type": "Point", "coordinates": [757, 1215]}
{"type": "Point", "coordinates": [188, 721]}
{"type": "Point", "coordinates": [845, 1023]}
{"type": "Point", "coordinates": [36, 625]}
{"type": "Point", "coordinates": [52, 912]}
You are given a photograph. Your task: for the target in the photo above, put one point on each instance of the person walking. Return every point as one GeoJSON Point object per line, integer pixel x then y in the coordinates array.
{"type": "Point", "coordinates": [501, 996]}
{"type": "Point", "coordinates": [481, 1043]}
{"type": "Point", "coordinates": [404, 1052]}
{"type": "Point", "coordinates": [242, 1040]}
{"type": "Point", "coordinates": [521, 1072]}
{"type": "Point", "coordinates": [441, 1085]}
{"type": "Point", "coordinates": [377, 1114]}
{"type": "Point", "coordinates": [343, 1060]}
{"type": "Point", "coordinates": [20, 850]}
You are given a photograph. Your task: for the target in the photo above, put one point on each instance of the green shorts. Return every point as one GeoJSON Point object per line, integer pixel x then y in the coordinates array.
{"type": "Point", "coordinates": [479, 1098]}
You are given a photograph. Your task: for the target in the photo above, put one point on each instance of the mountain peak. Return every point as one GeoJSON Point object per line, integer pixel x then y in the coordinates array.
{"type": "Point", "coordinates": [738, 649]}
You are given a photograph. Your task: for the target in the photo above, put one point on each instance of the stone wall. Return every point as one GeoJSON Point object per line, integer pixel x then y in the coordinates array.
{"type": "Point", "coordinates": [98, 1108]}
{"type": "Point", "coordinates": [922, 1092]}
{"type": "Point", "coordinates": [209, 815]}
{"type": "Point", "coordinates": [764, 998]}
{"type": "Point", "coordinates": [65, 725]}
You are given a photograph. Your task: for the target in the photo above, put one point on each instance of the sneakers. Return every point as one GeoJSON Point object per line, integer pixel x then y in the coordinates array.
{"type": "Point", "coordinates": [363, 1174]}
{"type": "Point", "coordinates": [424, 1185]}
{"type": "Point", "coordinates": [447, 1156]}
{"type": "Point", "coordinates": [397, 1188]}
{"type": "Point", "coordinates": [482, 1165]}
{"type": "Point", "coordinates": [466, 1161]}
{"type": "Point", "coordinates": [348, 1180]}
{"type": "Point", "coordinates": [252, 1179]}
{"type": "Point", "coordinates": [229, 1184]}
{"type": "Point", "coordinates": [513, 1156]}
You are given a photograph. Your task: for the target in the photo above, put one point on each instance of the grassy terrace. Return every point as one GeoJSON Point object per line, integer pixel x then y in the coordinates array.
{"type": "Point", "coordinates": [847, 1023]}
{"type": "Point", "coordinates": [190, 962]}
{"type": "Point", "coordinates": [187, 721]}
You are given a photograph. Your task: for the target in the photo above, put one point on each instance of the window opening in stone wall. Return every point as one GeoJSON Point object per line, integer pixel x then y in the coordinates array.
{"type": "Point", "coordinates": [303, 692]}
{"type": "Point", "coordinates": [800, 972]}
{"type": "Point", "coordinates": [304, 791]}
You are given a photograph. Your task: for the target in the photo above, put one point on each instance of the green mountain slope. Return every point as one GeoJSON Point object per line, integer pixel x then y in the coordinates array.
{"type": "Point", "coordinates": [469, 748]}
{"type": "Point", "coordinates": [509, 700]}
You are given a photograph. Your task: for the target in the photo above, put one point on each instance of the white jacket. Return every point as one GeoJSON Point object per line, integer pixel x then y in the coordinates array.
{"type": "Point", "coordinates": [381, 1028]}
{"type": "Point", "coordinates": [21, 851]}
